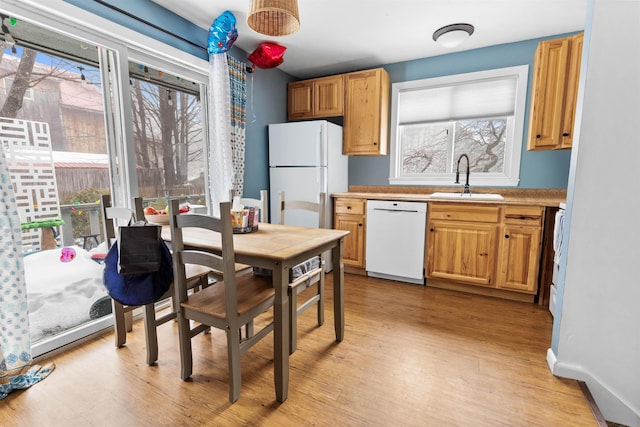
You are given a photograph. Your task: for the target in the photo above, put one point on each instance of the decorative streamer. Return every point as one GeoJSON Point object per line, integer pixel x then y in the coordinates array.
{"type": "Point", "coordinates": [238, 81]}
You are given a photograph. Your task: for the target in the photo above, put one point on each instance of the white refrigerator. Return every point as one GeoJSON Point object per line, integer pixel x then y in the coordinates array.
{"type": "Point", "coordinates": [305, 158]}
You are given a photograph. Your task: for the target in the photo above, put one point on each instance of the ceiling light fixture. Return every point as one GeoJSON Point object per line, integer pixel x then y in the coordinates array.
{"type": "Point", "coordinates": [452, 35]}
{"type": "Point", "coordinates": [274, 17]}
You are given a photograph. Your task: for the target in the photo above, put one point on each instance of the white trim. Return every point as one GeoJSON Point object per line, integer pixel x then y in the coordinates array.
{"type": "Point", "coordinates": [71, 335]}
{"type": "Point", "coordinates": [511, 175]}
{"type": "Point", "coordinates": [68, 19]}
{"type": "Point", "coordinates": [609, 402]}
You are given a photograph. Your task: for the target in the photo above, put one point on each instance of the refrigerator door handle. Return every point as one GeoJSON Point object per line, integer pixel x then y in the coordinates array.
{"type": "Point", "coordinates": [321, 148]}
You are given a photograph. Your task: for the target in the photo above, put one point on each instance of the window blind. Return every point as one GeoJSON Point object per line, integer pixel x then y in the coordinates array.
{"type": "Point", "coordinates": [471, 99]}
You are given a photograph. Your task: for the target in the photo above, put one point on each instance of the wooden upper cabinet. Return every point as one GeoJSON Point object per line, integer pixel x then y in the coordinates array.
{"type": "Point", "coordinates": [300, 100]}
{"type": "Point", "coordinates": [366, 117]}
{"type": "Point", "coordinates": [328, 96]}
{"type": "Point", "coordinates": [573, 79]}
{"type": "Point", "coordinates": [316, 98]}
{"type": "Point", "coordinates": [554, 93]}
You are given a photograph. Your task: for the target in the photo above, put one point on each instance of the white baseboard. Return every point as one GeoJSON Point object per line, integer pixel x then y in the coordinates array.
{"type": "Point", "coordinates": [613, 407]}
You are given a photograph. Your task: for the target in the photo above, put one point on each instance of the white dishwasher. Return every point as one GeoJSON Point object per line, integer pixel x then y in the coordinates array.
{"type": "Point", "coordinates": [396, 240]}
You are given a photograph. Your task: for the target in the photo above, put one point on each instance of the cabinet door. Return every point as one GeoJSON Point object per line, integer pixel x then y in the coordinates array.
{"type": "Point", "coordinates": [328, 96]}
{"type": "Point", "coordinates": [366, 112]}
{"type": "Point", "coordinates": [300, 100]}
{"type": "Point", "coordinates": [354, 241]}
{"type": "Point", "coordinates": [548, 94]}
{"type": "Point", "coordinates": [571, 99]}
{"type": "Point", "coordinates": [461, 251]}
{"type": "Point", "coordinates": [519, 259]}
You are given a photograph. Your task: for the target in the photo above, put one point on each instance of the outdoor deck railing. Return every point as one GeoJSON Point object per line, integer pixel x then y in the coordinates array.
{"type": "Point", "coordinates": [93, 212]}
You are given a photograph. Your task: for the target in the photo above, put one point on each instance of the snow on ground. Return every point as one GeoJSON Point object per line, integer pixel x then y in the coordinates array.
{"type": "Point", "coordinates": [60, 294]}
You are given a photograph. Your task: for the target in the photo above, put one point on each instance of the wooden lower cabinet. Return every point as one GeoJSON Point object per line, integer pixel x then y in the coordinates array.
{"type": "Point", "coordinates": [461, 251]}
{"type": "Point", "coordinates": [492, 246]}
{"type": "Point", "coordinates": [350, 216]}
{"type": "Point", "coordinates": [520, 248]}
{"type": "Point", "coordinates": [461, 242]}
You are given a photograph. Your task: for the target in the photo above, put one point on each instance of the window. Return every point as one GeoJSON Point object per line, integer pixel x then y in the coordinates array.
{"type": "Point", "coordinates": [434, 121]}
{"type": "Point", "coordinates": [168, 135]}
{"type": "Point", "coordinates": [8, 82]}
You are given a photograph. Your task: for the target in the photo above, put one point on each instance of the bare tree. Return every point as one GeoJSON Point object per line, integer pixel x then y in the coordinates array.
{"type": "Point", "coordinates": [21, 82]}
{"type": "Point", "coordinates": [483, 140]}
{"type": "Point", "coordinates": [166, 127]}
{"type": "Point", "coordinates": [140, 130]}
{"type": "Point", "coordinates": [430, 148]}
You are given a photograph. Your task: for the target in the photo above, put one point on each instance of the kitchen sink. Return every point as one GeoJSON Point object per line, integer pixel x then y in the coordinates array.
{"type": "Point", "coordinates": [468, 196]}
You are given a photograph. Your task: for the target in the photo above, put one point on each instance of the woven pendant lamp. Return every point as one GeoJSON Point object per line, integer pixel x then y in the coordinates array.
{"type": "Point", "coordinates": [274, 17]}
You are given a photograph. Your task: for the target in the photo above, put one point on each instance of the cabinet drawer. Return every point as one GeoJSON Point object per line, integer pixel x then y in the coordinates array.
{"type": "Point", "coordinates": [350, 206]}
{"type": "Point", "coordinates": [523, 215]}
{"type": "Point", "coordinates": [464, 212]}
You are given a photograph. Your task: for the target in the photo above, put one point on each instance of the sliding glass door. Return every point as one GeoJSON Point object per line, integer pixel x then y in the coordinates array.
{"type": "Point", "coordinates": [52, 129]}
{"type": "Point", "coordinates": [78, 120]}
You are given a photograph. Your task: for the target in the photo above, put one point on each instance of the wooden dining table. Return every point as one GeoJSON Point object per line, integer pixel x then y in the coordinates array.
{"type": "Point", "coordinates": [279, 248]}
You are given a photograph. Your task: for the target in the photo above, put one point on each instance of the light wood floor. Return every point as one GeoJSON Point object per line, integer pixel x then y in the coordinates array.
{"type": "Point", "coordinates": [412, 356]}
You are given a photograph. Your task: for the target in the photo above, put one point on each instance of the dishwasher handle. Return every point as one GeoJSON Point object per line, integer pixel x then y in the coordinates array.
{"type": "Point", "coordinates": [395, 210]}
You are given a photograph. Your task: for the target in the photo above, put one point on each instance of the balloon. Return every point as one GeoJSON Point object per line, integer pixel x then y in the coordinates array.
{"type": "Point", "coordinates": [222, 33]}
{"type": "Point", "coordinates": [268, 55]}
{"type": "Point", "coordinates": [67, 254]}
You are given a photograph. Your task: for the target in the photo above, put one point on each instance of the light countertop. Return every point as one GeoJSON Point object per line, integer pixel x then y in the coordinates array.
{"type": "Point", "coordinates": [524, 196]}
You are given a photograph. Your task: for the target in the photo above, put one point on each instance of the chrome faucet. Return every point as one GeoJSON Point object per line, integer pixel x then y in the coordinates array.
{"type": "Point", "coordinates": [466, 184]}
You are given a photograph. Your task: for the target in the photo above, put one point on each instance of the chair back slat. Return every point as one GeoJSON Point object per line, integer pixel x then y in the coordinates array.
{"type": "Point", "coordinates": [115, 216]}
{"type": "Point", "coordinates": [262, 204]}
{"type": "Point", "coordinates": [318, 207]}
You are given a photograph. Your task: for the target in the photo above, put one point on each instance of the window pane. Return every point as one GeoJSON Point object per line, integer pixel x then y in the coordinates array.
{"type": "Point", "coordinates": [483, 140]}
{"type": "Point", "coordinates": [168, 136]}
{"type": "Point", "coordinates": [425, 148]}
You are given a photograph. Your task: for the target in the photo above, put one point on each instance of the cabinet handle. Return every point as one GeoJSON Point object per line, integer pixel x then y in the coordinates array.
{"type": "Point", "coordinates": [359, 225]}
{"type": "Point", "coordinates": [348, 207]}
{"type": "Point", "coordinates": [506, 236]}
{"type": "Point", "coordinates": [565, 134]}
{"type": "Point", "coordinates": [431, 229]}
{"type": "Point", "coordinates": [538, 136]}
{"type": "Point", "coordinates": [375, 143]}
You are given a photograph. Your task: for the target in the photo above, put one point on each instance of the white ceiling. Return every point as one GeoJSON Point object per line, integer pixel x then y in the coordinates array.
{"type": "Point", "coordinates": [336, 36]}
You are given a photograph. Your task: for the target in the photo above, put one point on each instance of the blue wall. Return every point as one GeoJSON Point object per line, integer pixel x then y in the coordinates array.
{"type": "Point", "coordinates": [538, 169]}
{"type": "Point", "coordinates": [267, 95]}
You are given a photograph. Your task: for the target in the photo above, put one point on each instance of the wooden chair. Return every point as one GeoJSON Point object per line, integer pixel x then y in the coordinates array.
{"type": "Point", "coordinates": [236, 301]}
{"type": "Point", "coordinates": [307, 273]}
{"type": "Point", "coordinates": [122, 314]}
{"type": "Point", "coordinates": [262, 203]}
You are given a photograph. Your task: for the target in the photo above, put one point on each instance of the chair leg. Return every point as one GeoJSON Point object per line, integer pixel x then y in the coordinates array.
{"type": "Point", "coordinates": [249, 329]}
{"type": "Point", "coordinates": [119, 327]}
{"type": "Point", "coordinates": [204, 283]}
{"type": "Point", "coordinates": [128, 321]}
{"type": "Point", "coordinates": [321, 300]}
{"type": "Point", "coordinates": [293, 320]}
{"type": "Point", "coordinates": [233, 354]}
{"type": "Point", "coordinates": [184, 335]}
{"type": "Point", "coordinates": [150, 333]}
